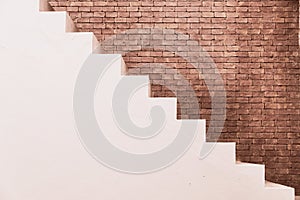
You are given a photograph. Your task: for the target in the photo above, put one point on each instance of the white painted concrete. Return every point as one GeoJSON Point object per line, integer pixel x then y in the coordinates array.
{"type": "Point", "coordinates": [40, 153]}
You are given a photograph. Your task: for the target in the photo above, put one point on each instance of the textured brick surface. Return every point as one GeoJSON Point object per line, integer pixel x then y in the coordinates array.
{"type": "Point", "coordinates": [255, 46]}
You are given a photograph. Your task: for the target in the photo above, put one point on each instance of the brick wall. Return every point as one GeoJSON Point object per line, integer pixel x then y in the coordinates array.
{"type": "Point", "coordinates": [255, 46]}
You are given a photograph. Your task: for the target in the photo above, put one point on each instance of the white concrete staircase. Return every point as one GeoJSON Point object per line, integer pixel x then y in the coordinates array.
{"type": "Point", "coordinates": [40, 151]}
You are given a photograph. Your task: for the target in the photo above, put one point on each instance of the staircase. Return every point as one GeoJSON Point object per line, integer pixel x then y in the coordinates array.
{"type": "Point", "coordinates": [41, 154]}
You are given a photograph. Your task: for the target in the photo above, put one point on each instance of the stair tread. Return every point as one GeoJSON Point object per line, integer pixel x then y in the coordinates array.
{"type": "Point", "coordinates": [269, 184]}
{"type": "Point", "coordinates": [239, 163]}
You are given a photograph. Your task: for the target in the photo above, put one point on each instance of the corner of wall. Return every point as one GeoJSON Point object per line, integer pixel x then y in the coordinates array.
{"type": "Point", "coordinates": [45, 6]}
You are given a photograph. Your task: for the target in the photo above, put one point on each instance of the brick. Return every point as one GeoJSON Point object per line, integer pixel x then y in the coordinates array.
{"type": "Point", "coordinates": [84, 9]}
{"type": "Point", "coordinates": [72, 9]}
{"type": "Point", "coordinates": [220, 14]}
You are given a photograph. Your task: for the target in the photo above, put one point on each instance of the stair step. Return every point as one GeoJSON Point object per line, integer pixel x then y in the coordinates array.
{"type": "Point", "coordinates": [270, 185]}
{"type": "Point", "coordinates": [221, 148]}
{"type": "Point", "coordinates": [255, 172]}
{"type": "Point", "coordinates": [56, 22]}
{"type": "Point", "coordinates": [89, 37]}
{"type": "Point", "coordinates": [279, 191]}
{"type": "Point", "coordinates": [140, 83]}
{"type": "Point", "coordinates": [87, 45]}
